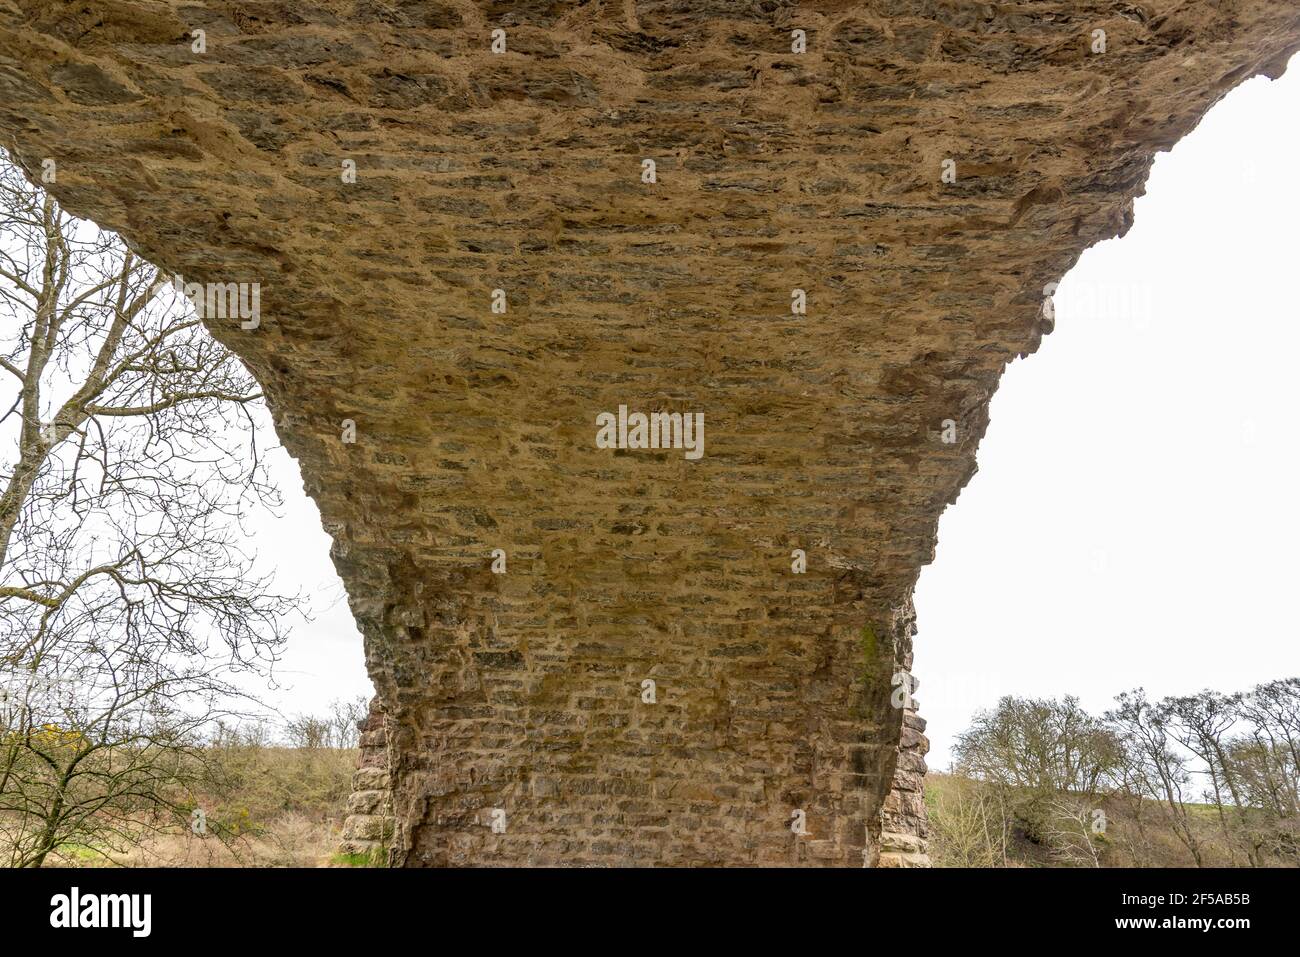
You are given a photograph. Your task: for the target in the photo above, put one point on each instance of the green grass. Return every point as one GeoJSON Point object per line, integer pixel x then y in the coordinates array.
{"type": "Point", "coordinates": [374, 858]}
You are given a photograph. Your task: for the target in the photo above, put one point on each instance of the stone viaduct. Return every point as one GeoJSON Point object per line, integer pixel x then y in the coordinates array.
{"type": "Point", "coordinates": [464, 256]}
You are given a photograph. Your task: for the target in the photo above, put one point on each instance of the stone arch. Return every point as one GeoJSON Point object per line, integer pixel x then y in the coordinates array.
{"type": "Point", "coordinates": [922, 175]}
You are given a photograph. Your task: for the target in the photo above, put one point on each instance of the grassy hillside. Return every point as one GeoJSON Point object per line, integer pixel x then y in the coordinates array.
{"type": "Point", "coordinates": [971, 827]}
{"type": "Point", "coordinates": [284, 807]}
{"type": "Point", "coordinates": [262, 807]}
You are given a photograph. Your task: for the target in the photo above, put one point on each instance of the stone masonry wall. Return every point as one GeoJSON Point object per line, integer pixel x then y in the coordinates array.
{"type": "Point", "coordinates": [368, 828]}
{"type": "Point", "coordinates": [903, 838]}
{"type": "Point", "coordinates": [464, 259]}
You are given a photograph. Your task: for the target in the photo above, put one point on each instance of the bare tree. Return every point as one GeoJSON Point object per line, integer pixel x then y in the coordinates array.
{"type": "Point", "coordinates": [105, 753]}
{"type": "Point", "coordinates": [1266, 760]}
{"type": "Point", "coordinates": [129, 460]}
{"type": "Point", "coordinates": [1151, 766]}
{"type": "Point", "coordinates": [1202, 723]}
{"type": "Point", "coordinates": [1039, 750]}
{"type": "Point", "coordinates": [1130, 787]}
{"type": "Point", "coordinates": [1039, 745]}
{"type": "Point", "coordinates": [309, 731]}
{"type": "Point", "coordinates": [1272, 712]}
{"type": "Point", "coordinates": [346, 718]}
{"type": "Point", "coordinates": [1055, 767]}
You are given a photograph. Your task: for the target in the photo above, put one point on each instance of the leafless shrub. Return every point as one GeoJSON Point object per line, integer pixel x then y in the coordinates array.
{"type": "Point", "coordinates": [970, 825]}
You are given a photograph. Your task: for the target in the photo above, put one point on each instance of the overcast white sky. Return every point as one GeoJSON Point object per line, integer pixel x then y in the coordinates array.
{"type": "Point", "coordinates": [1134, 520]}
{"type": "Point", "coordinates": [324, 659]}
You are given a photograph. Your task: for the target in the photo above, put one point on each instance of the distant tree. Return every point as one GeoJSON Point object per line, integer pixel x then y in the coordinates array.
{"type": "Point", "coordinates": [338, 728]}
{"type": "Point", "coordinates": [1039, 750]}
{"type": "Point", "coordinates": [1272, 714]}
{"type": "Point", "coordinates": [1054, 766]}
{"type": "Point", "coordinates": [1202, 724]}
{"type": "Point", "coordinates": [346, 718]}
{"type": "Point", "coordinates": [1266, 759]}
{"type": "Point", "coordinates": [1040, 746]}
{"type": "Point", "coordinates": [1150, 765]}
{"type": "Point", "coordinates": [308, 731]}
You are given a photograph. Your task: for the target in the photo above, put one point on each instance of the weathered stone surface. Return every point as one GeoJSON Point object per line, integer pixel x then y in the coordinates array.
{"type": "Point", "coordinates": [368, 828]}
{"type": "Point", "coordinates": [475, 431]}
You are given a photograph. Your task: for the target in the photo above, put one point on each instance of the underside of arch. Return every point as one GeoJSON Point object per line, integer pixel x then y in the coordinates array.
{"type": "Point", "coordinates": [379, 171]}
